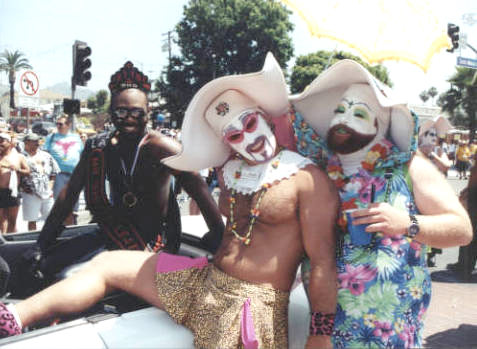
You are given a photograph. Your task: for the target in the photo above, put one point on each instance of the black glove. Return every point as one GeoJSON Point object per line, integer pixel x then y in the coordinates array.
{"type": "Point", "coordinates": [27, 276]}
{"type": "Point", "coordinates": [48, 236]}
{"type": "Point", "coordinates": [34, 258]}
{"type": "Point", "coordinates": [211, 241]}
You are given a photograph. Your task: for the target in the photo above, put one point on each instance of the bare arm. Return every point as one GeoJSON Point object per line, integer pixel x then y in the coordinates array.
{"type": "Point", "coordinates": [318, 206]}
{"type": "Point", "coordinates": [197, 189]}
{"type": "Point", "coordinates": [443, 221]}
{"type": "Point", "coordinates": [24, 169]}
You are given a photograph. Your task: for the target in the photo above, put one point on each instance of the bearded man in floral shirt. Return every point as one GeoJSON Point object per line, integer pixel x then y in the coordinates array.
{"type": "Point", "coordinates": [400, 200]}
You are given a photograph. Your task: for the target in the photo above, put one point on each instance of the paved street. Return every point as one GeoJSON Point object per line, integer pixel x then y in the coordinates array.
{"type": "Point", "coordinates": [451, 321]}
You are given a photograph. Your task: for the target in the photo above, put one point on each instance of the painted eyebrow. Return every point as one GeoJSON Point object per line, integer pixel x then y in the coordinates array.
{"type": "Point", "coordinates": [356, 103]}
{"type": "Point", "coordinates": [231, 128]}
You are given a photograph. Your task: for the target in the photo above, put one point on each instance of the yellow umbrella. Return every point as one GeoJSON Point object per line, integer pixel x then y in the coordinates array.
{"type": "Point", "coordinates": [379, 30]}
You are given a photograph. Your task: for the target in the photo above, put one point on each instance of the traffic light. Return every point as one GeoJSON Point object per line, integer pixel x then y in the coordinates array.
{"type": "Point", "coordinates": [81, 63]}
{"type": "Point", "coordinates": [71, 106]}
{"type": "Point", "coordinates": [453, 32]}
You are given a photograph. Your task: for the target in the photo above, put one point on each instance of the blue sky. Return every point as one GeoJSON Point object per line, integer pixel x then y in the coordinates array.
{"type": "Point", "coordinates": [120, 30]}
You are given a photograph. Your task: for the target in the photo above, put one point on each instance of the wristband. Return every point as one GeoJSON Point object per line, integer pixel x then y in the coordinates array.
{"type": "Point", "coordinates": [321, 323]}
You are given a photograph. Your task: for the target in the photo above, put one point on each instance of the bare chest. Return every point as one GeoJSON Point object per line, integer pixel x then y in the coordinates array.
{"type": "Point", "coordinates": [274, 205]}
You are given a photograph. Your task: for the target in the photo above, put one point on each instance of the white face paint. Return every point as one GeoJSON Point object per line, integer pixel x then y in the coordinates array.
{"type": "Point", "coordinates": [428, 138]}
{"type": "Point", "coordinates": [250, 136]}
{"type": "Point", "coordinates": [355, 113]}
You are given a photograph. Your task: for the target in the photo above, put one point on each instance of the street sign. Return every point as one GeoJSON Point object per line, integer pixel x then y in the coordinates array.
{"type": "Point", "coordinates": [29, 83]}
{"type": "Point", "coordinates": [467, 62]}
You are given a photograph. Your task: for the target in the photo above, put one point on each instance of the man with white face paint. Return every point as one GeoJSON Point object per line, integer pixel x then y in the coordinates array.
{"type": "Point", "coordinates": [250, 135]}
{"type": "Point", "coordinates": [402, 200]}
{"type": "Point", "coordinates": [273, 199]}
{"type": "Point", "coordinates": [278, 205]}
{"type": "Point", "coordinates": [429, 133]}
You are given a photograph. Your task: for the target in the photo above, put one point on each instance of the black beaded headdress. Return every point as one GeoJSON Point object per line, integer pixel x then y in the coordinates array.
{"type": "Point", "coordinates": [129, 77]}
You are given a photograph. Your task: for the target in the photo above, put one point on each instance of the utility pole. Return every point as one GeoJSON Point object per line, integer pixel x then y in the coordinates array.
{"type": "Point", "coordinates": [168, 43]}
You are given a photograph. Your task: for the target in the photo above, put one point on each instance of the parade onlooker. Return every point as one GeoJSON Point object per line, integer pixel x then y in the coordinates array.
{"type": "Point", "coordinates": [451, 149]}
{"type": "Point", "coordinates": [12, 164]}
{"type": "Point", "coordinates": [468, 254]}
{"type": "Point", "coordinates": [473, 150]}
{"type": "Point", "coordinates": [83, 137]}
{"type": "Point", "coordinates": [463, 157]}
{"type": "Point", "coordinates": [66, 148]}
{"type": "Point", "coordinates": [431, 134]}
{"type": "Point", "coordinates": [37, 187]}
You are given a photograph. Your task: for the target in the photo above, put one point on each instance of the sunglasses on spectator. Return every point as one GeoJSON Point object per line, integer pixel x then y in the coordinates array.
{"type": "Point", "coordinates": [60, 123]}
{"type": "Point", "coordinates": [122, 113]}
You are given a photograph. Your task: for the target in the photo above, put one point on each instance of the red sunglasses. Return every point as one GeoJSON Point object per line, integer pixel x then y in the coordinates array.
{"type": "Point", "coordinates": [250, 124]}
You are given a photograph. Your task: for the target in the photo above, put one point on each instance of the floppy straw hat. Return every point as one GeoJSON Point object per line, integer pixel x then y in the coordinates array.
{"type": "Point", "coordinates": [440, 123]}
{"type": "Point", "coordinates": [202, 145]}
{"type": "Point", "coordinates": [319, 100]}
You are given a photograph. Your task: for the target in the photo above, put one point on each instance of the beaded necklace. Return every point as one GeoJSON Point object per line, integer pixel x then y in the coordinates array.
{"type": "Point", "coordinates": [254, 212]}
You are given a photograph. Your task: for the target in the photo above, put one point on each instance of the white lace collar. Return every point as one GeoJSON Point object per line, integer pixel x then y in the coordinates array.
{"type": "Point", "coordinates": [252, 178]}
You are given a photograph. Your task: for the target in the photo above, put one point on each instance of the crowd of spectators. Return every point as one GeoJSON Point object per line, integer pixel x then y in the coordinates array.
{"type": "Point", "coordinates": [33, 170]}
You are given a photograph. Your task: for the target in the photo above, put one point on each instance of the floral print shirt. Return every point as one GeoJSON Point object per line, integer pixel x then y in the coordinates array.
{"type": "Point", "coordinates": [384, 287]}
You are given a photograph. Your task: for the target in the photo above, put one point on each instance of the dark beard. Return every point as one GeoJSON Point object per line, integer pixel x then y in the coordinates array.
{"type": "Point", "coordinates": [344, 140]}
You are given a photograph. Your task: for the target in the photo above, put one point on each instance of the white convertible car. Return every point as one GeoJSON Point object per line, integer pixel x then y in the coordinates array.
{"type": "Point", "coordinates": [123, 321]}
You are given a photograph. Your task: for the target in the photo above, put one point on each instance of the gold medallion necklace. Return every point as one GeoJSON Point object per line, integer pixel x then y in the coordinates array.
{"type": "Point", "coordinates": [129, 198]}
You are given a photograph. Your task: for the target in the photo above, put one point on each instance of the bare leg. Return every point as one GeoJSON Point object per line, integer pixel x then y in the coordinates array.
{"type": "Point", "coordinates": [131, 271]}
{"type": "Point", "coordinates": [31, 225]}
{"type": "Point", "coordinates": [193, 208]}
{"type": "Point", "coordinates": [12, 214]}
{"type": "Point", "coordinates": [3, 220]}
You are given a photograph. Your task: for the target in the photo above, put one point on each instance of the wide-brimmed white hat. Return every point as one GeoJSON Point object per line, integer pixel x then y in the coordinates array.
{"type": "Point", "coordinates": [6, 136]}
{"type": "Point", "coordinates": [440, 123]}
{"type": "Point", "coordinates": [202, 145]}
{"type": "Point", "coordinates": [319, 100]}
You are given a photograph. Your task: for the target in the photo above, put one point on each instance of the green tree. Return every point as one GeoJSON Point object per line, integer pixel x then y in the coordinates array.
{"type": "Point", "coordinates": [432, 92]}
{"type": "Point", "coordinates": [98, 103]}
{"type": "Point", "coordinates": [223, 37]}
{"type": "Point", "coordinates": [309, 66]}
{"type": "Point", "coordinates": [461, 99]}
{"type": "Point", "coordinates": [11, 62]}
{"type": "Point", "coordinates": [424, 96]}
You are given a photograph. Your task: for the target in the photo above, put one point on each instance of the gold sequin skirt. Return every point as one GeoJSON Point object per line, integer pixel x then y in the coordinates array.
{"type": "Point", "coordinates": [211, 303]}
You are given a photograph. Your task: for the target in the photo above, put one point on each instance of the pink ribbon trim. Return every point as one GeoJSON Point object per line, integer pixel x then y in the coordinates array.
{"type": "Point", "coordinates": [247, 329]}
{"type": "Point", "coordinates": [169, 262]}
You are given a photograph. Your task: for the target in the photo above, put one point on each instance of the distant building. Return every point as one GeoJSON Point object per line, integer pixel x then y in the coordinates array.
{"type": "Point", "coordinates": [425, 112]}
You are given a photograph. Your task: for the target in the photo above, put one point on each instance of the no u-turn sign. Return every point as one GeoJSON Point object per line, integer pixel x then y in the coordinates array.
{"type": "Point", "coordinates": [29, 83]}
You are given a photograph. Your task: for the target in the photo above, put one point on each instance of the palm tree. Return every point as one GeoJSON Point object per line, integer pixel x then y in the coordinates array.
{"type": "Point", "coordinates": [424, 96]}
{"type": "Point", "coordinates": [11, 63]}
{"type": "Point", "coordinates": [461, 98]}
{"type": "Point", "coordinates": [432, 92]}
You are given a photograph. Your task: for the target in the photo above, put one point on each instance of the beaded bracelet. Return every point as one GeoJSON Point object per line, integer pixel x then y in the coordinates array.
{"type": "Point", "coordinates": [321, 323]}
